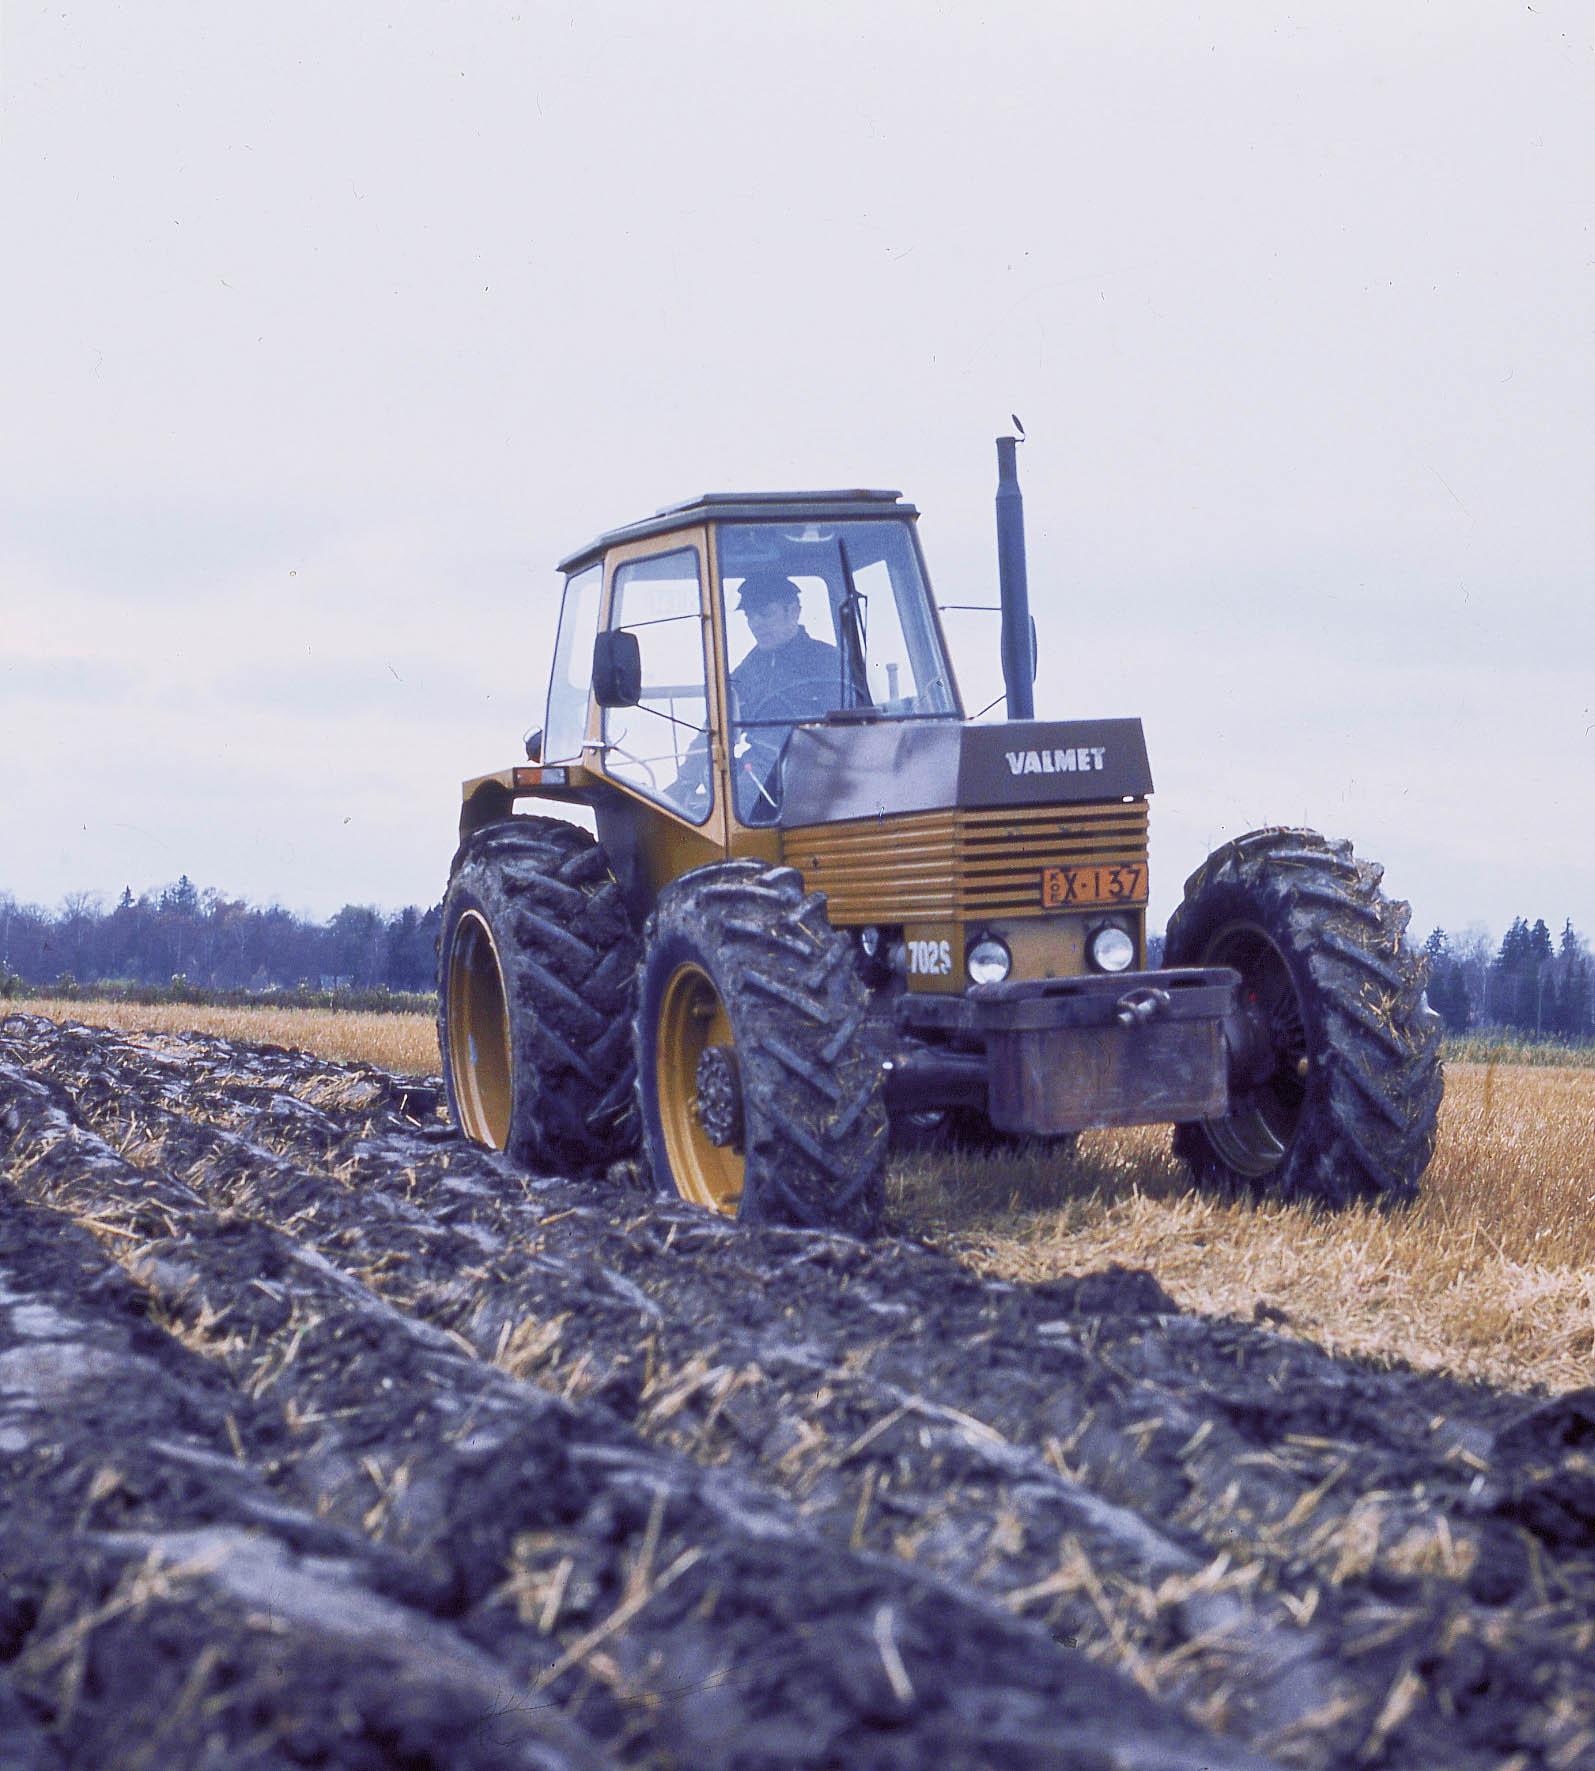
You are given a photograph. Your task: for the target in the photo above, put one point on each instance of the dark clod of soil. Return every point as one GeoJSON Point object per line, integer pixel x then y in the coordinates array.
{"type": "Point", "coordinates": [328, 1439]}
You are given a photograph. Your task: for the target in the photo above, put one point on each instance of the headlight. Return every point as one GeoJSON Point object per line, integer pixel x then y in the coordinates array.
{"type": "Point", "coordinates": [869, 940]}
{"type": "Point", "coordinates": [1111, 950]}
{"type": "Point", "coordinates": [988, 961]}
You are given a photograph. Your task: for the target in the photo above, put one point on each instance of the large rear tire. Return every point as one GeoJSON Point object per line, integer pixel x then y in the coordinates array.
{"type": "Point", "coordinates": [759, 1087]}
{"type": "Point", "coordinates": [1340, 1080]}
{"type": "Point", "coordinates": [537, 973]}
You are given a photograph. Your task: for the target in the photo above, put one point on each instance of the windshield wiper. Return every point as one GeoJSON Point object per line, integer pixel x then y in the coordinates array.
{"type": "Point", "coordinates": [855, 681]}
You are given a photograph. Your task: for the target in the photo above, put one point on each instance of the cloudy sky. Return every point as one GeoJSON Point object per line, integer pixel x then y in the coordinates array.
{"type": "Point", "coordinates": [326, 330]}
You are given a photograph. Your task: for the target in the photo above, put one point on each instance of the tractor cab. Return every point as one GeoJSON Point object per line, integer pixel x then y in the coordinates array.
{"type": "Point", "coordinates": [691, 645]}
{"type": "Point", "coordinates": [765, 676]}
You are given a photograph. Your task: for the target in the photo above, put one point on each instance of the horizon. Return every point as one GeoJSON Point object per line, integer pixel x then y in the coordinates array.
{"type": "Point", "coordinates": [103, 902]}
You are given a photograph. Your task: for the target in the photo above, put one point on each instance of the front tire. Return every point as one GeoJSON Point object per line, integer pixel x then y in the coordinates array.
{"type": "Point", "coordinates": [1340, 1079]}
{"type": "Point", "coordinates": [759, 1088]}
{"type": "Point", "coordinates": [537, 971]}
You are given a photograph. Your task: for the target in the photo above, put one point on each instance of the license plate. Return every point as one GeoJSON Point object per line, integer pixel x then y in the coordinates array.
{"type": "Point", "coordinates": [1119, 882]}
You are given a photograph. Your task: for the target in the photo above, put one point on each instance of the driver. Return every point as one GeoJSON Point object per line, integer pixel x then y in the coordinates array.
{"type": "Point", "coordinates": [789, 675]}
{"type": "Point", "coordinates": [786, 677]}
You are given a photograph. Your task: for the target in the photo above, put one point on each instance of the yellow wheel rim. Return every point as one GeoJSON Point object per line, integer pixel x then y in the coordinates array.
{"type": "Point", "coordinates": [479, 1034]}
{"type": "Point", "coordinates": [691, 1019]}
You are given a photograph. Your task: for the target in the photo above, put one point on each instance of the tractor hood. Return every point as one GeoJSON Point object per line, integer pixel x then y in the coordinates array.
{"type": "Point", "coordinates": [877, 768]}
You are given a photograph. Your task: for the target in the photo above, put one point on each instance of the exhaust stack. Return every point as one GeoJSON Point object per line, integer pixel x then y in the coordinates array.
{"type": "Point", "coordinates": [1018, 646]}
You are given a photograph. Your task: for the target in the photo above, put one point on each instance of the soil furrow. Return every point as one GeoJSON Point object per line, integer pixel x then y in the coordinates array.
{"type": "Point", "coordinates": [674, 1611]}
{"type": "Point", "coordinates": [161, 1603]}
{"type": "Point", "coordinates": [1320, 1559]}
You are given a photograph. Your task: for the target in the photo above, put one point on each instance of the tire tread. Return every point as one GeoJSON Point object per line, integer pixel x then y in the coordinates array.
{"type": "Point", "coordinates": [814, 1116]}
{"type": "Point", "coordinates": [569, 955]}
{"type": "Point", "coordinates": [1366, 1128]}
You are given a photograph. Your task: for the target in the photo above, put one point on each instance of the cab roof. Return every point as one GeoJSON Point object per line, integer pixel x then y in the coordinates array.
{"type": "Point", "coordinates": [747, 507]}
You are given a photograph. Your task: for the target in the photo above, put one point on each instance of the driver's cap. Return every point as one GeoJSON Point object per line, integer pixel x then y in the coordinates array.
{"type": "Point", "coordinates": [759, 589]}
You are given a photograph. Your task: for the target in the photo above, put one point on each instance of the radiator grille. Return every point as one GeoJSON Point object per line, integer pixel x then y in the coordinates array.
{"type": "Point", "coordinates": [958, 864]}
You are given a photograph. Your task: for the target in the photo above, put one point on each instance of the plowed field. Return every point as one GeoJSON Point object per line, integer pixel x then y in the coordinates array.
{"type": "Point", "coordinates": [327, 1439]}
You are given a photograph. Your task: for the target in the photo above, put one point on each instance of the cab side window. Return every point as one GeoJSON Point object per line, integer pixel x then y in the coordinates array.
{"type": "Point", "coordinates": [565, 724]}
{"type": "Point", "coordinates": [661, 746]}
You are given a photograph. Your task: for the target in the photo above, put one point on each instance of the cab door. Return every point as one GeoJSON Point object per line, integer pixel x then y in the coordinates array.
{"type": "Point", "coordinates": [664, 752]}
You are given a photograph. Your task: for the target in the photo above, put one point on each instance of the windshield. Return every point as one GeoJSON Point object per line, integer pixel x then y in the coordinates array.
{"type": "Point", "coordinates": [860, 592]}
{"type": "Point", "coordinates": [822, 618]}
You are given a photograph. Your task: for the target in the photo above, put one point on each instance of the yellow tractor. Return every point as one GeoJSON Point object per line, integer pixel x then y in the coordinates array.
{"type": "Point", "coordinates": [824, 906]}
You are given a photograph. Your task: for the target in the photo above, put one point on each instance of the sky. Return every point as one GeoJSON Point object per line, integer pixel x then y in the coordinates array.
{"type": "Point", "coordinates": [326, 331]}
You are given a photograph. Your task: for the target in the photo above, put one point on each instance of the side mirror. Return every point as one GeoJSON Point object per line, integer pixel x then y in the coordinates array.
{"type": "Point", "coordinates": [617, 669]}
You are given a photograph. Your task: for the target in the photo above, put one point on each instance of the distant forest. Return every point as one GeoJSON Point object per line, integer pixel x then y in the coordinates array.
{"type": "Point", "coordinates": [1532, 983]}
{"type": "Point", "coordinates": [214, 942]}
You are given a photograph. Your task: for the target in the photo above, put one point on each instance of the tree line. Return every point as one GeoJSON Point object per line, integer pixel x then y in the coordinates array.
{"type": "Point", "coordinates": [214, 942]}
{"type": "Point", "coordinates": [1533, 983]}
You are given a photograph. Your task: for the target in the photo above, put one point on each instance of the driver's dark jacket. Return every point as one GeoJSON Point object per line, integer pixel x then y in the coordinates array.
{"type": "Point", "coordinates": [797, 681]}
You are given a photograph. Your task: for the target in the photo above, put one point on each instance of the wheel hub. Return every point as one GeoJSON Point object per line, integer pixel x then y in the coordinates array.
{"type": "Point", "coordinates": [719, 1097]}
{"type": "Point", "coordinates": [1267, 1044]}
{"type": "Point", "coordinates": [697, 1091]}
{"type": "Point", "coordinates": [1255, 1046]}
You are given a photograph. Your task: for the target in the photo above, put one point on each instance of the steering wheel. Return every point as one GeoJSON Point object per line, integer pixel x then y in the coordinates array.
{"type": "Point", "coordinates": [642, 762]}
